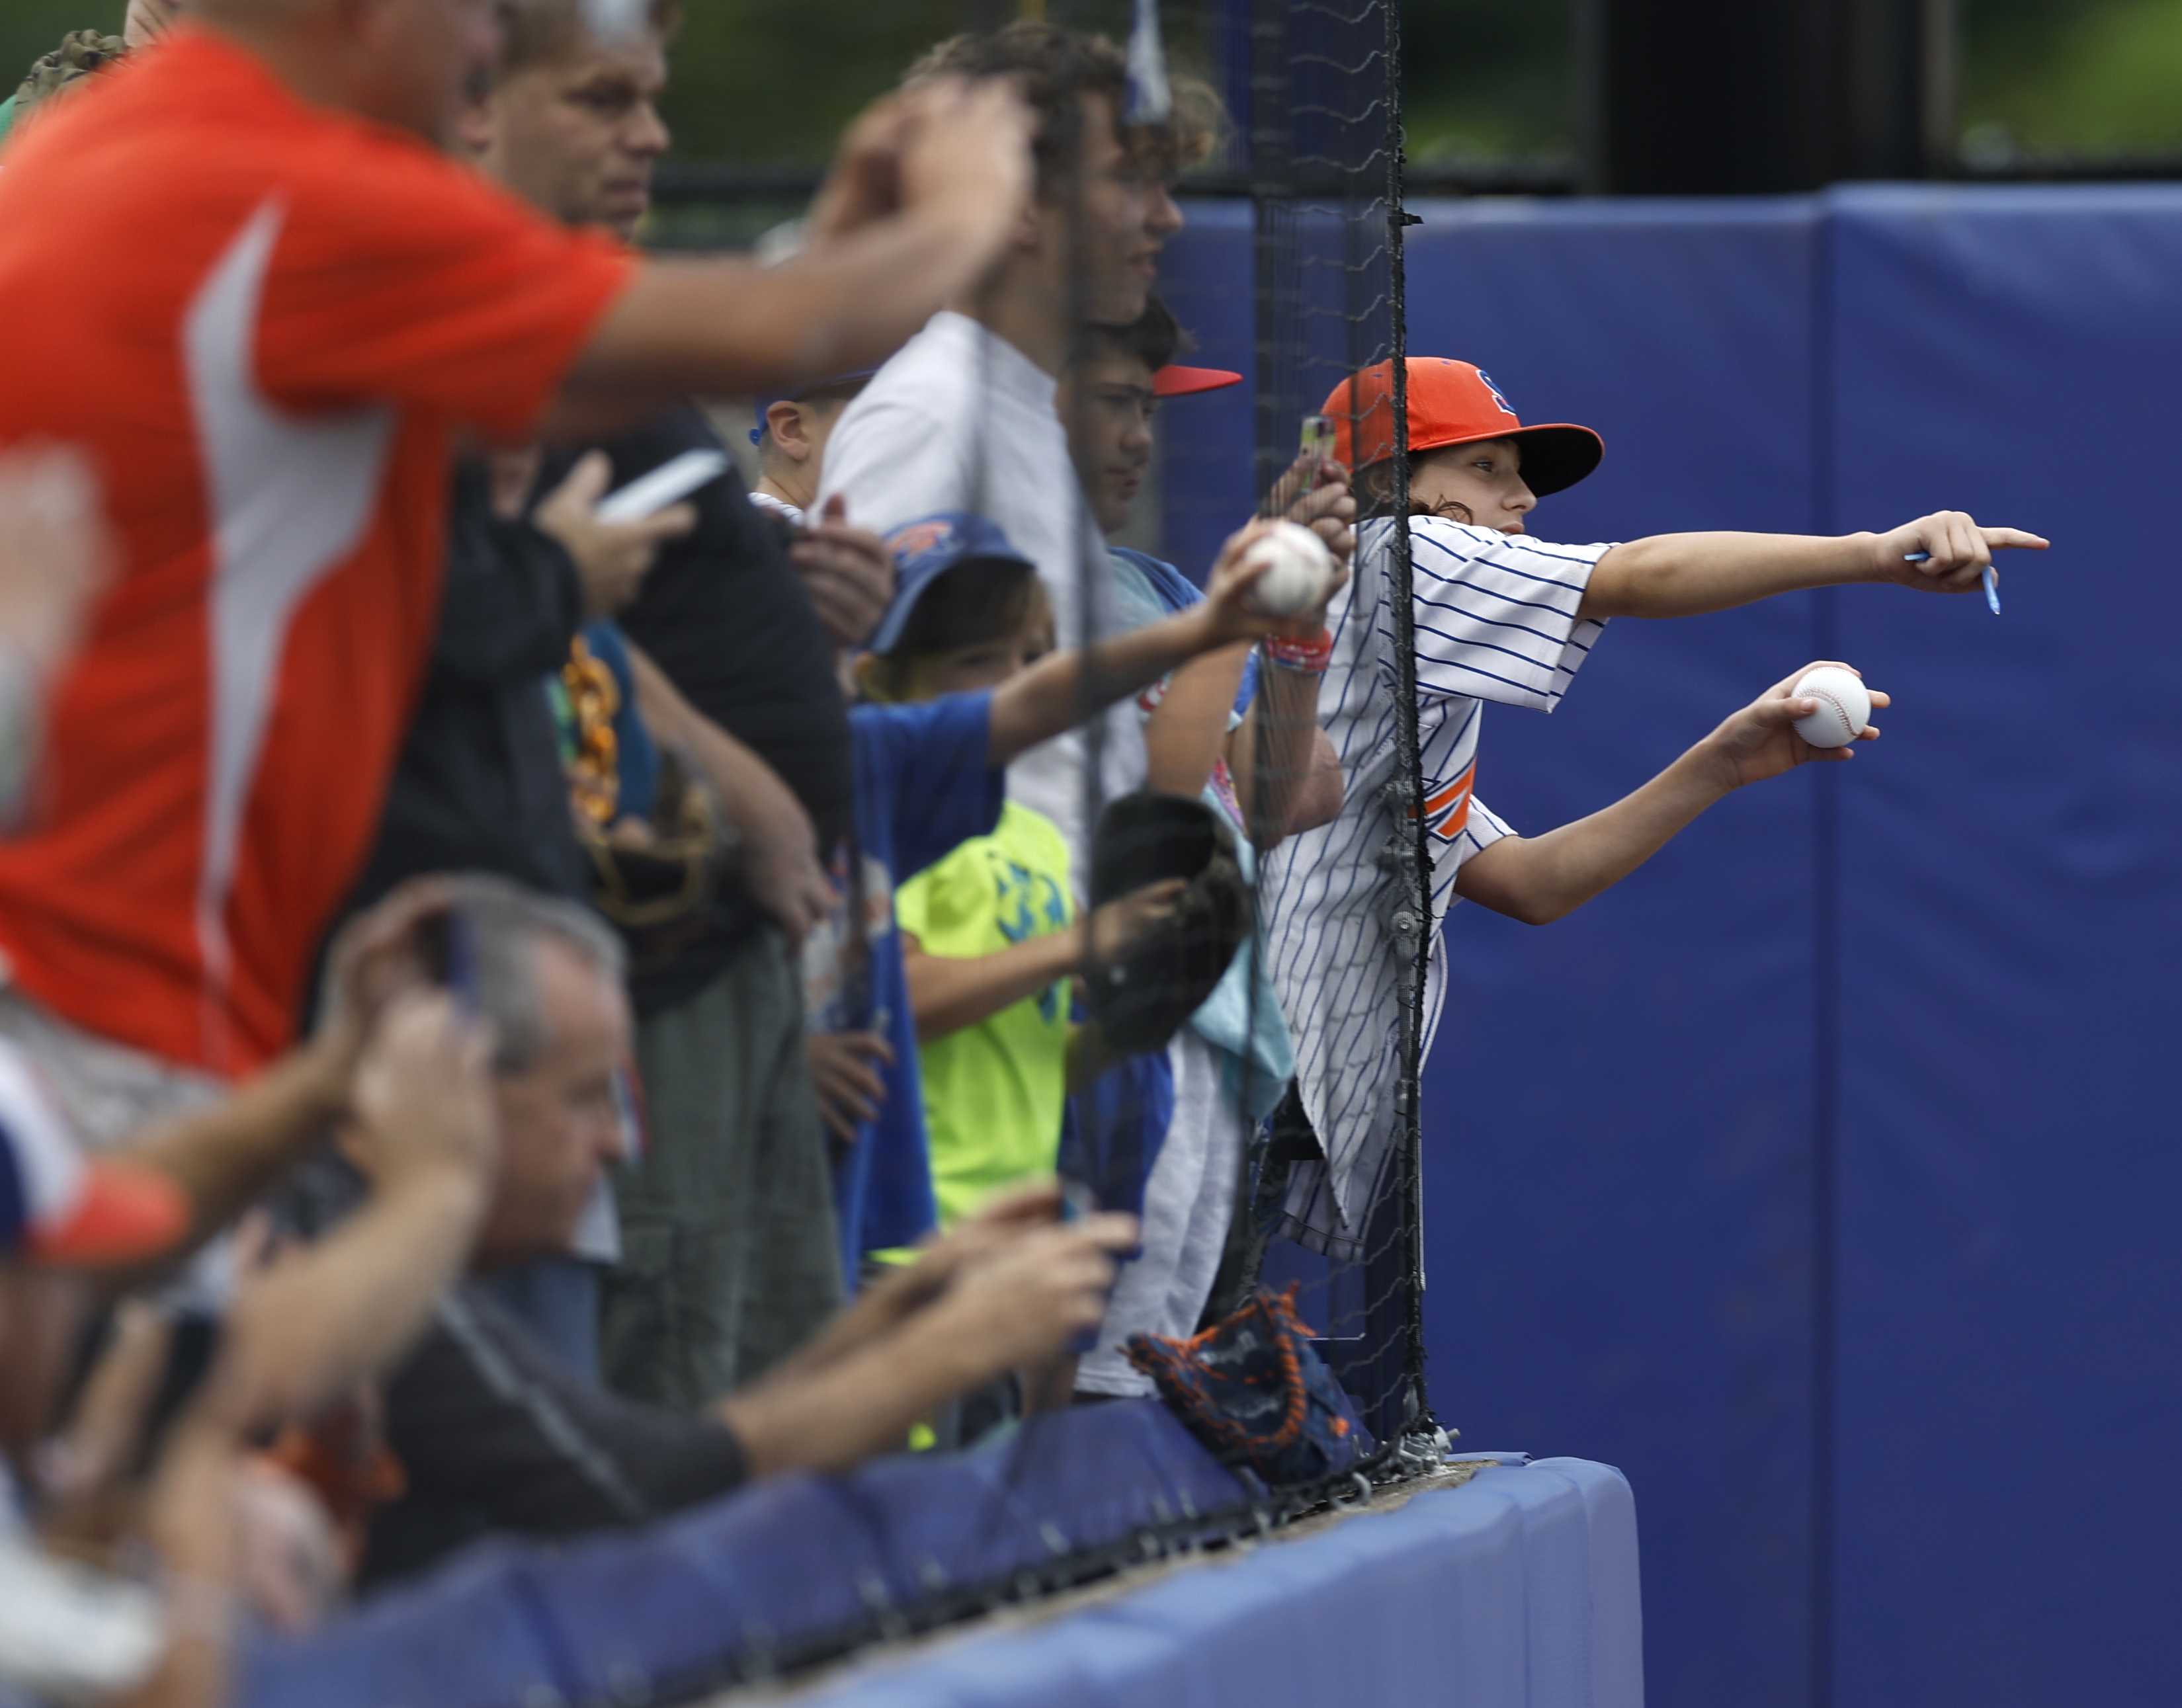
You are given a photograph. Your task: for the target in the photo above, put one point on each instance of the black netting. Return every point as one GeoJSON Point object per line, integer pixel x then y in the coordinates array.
{"type": "Point", "coordinates": [1313, 147]}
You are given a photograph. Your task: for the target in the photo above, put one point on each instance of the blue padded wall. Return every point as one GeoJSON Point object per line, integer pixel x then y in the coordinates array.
{"type": "Point", "coordinates": [1820, 1177]}
{"type": "Point", "coordinates": [1619, 1207]}
{"type": "Point", "coordinates": [2011, 923]}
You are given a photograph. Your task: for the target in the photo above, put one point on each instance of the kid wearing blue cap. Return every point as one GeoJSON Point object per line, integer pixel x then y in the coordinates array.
{"type": "Point", "coordinates": [957, 689]}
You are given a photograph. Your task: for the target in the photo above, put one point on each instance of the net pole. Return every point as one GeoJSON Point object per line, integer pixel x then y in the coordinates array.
{"type": "Point", "coordinates": [1412, 914]}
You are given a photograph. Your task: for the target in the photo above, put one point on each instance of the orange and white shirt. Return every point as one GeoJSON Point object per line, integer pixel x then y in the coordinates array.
{"type": "Point", "coordinates": [265, 321]}
{"type": "Point", "coordinates": [1495, 619]}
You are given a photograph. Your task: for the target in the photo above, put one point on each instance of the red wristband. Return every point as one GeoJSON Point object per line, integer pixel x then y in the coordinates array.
{"type": "Point", "coordinates": [1307, 657]}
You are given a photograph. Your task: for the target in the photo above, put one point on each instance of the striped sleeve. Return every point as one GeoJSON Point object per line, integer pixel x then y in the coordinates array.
{"type": "Point", "coordinates": [1496, 614]}
{"type": "Point", "coordinates": [1484, 828]}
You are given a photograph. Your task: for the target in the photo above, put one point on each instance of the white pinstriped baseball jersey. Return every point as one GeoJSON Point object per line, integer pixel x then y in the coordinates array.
{"type": "Point", "coordinates": [1496, 620]}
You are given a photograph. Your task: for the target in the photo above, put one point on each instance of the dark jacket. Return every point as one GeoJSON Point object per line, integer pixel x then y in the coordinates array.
{"type": "Point", "coordinates": [725, 616]}
{"type": "Point", "coordinates": [479, 786]}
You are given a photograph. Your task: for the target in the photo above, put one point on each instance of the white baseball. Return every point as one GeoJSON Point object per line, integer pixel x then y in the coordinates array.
{"type": "Point", "coordinates": [1302, 569]}
{"type": "Point", "coordinates": [1844, 705]}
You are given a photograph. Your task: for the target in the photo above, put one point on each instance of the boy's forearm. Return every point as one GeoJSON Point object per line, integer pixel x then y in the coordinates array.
{"type": "Point", "coordinates": [1273, 751]}
{"type": "Point", "coordinates": [1184, 737]}
{"type": "Point", "coordinates": [1067, 688]}
{"type": "Point", "coordinates": [948, 992]}
{"type": "Point", "coordinates": [1690, 574]}
{"type": "Point", "coordinates": [1540, 879]}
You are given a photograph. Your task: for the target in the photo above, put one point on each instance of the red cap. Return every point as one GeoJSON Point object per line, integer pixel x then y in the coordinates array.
{"type": "Point", "coordinates": [1171, 381]}
{"type": "Point", "coordinates": [1453, 403]}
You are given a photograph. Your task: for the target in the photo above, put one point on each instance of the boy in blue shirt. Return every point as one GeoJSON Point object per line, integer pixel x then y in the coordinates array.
{"type": "Point", "coordinates": [930, 775]}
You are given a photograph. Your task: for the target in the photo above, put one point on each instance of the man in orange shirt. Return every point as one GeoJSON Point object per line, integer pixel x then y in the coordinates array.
{"type": "Point", "coordinates": [264, 304]}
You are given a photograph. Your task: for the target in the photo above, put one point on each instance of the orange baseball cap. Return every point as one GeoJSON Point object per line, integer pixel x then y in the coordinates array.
{"type": "Point", "coordinates": [1453, 403]}
{"type": "Point", "coordinates": [60, 1207]}
{"type": "Point", "coordinates": [1173, 381]}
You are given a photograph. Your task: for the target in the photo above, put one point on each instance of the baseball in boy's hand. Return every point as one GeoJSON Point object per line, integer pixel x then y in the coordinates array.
{"type": "Point", "coordinates": [1298, 570]}
{"type": "Point", "coordinates": [1844, 705]}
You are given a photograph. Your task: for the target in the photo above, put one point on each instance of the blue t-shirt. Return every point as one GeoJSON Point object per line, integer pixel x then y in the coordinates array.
{"type": "Point", "coordinates": [924, 787]}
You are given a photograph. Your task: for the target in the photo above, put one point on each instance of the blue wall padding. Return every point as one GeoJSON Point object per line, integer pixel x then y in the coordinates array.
{"type": "Point", "coordinates": [1619, 1212]}
{"type": "Point", "coordinates": [624, 1616]}
{"type": "Point", "coordinates": [1517, 1590]}
{"type": "Point", "coordinates": [1873, 1305]}
{"type": "Point", "coordinates": [2011, 921]}
{"type": "Point", "coordinates": [1870, 1297]}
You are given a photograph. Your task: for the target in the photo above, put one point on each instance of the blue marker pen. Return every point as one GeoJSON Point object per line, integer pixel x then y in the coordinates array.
{"type": "Point", "coordinates": [1991, 580]}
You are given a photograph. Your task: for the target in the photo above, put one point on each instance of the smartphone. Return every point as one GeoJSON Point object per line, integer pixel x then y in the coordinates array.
{"type": "Point", "coordinates": [448, 943]}
{"type": "Point", "coordinates": [1318, 437]}
{"type": "Point", "coordinates": [673, 480]}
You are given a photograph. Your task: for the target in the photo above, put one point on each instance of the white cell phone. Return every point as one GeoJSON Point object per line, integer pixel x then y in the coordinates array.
{"type": "Point", "coordinates": [674, 479]}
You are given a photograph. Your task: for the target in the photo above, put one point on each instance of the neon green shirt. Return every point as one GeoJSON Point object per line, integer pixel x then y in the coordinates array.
{"type": "Point", "coordinates": [992, 1092]}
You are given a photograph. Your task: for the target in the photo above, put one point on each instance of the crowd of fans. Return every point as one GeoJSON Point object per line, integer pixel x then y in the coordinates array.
{"type": "Point", "coordinates": [518, 1022]}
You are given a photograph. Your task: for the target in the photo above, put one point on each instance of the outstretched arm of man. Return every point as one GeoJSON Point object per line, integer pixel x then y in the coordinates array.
{"type": "Point", "coordinates": [1018, 1303]}
{"type": "Point", "coordinates": [928, 189]}
{"type": "Point", "coordinates": [1540, 879]}
{"type": "Point", "coordinates": [1689, 574]}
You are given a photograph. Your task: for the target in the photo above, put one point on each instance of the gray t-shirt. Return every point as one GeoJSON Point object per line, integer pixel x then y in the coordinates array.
{"type": "Point", "coordinates": [960, 419]}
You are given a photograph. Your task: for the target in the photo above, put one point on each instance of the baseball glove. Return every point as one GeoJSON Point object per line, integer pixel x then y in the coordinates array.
{"type": "Point", "coordinates": [1140, 997]}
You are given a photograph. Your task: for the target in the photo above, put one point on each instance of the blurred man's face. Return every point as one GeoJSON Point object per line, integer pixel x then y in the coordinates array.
{"type": "Point", "coordinates": [577, 139]}
{"type": "Point", "coordinates": [1107, 404]}
{"type": "Point", "coordinates": [1112, 237]}
{"type": "Point", "coordinates": [416, 63]}
{"type": "Point", "coordinates": [560, 1121]}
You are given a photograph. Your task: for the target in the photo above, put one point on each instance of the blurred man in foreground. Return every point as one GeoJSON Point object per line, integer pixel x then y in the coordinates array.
{"type": "Point", "coordinates": [317, 300]}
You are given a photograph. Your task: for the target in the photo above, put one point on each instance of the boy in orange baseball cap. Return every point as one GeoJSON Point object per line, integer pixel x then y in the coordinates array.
{"type": "Point", "coordinates": [1499, 616]}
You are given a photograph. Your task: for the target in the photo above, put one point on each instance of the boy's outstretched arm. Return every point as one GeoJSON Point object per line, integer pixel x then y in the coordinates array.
{"type": "Point", "coordinates": [1539, 879]}
{"type": "Point", "coordinates": [1067, 688]}
{"type": "Point", "coordinates": [1689, 574]}
{"type": "Point", "coordinates": [948, 992]}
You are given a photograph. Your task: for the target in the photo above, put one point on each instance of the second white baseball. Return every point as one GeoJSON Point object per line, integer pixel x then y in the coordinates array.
{"type": "Point", "coordinates": [1844, 705]}
{"type": "Point", "coordinates": [1301, 569]}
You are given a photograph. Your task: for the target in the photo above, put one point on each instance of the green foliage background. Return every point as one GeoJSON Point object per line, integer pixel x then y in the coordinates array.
{"type": "Point", "coordinates": [775, 80]}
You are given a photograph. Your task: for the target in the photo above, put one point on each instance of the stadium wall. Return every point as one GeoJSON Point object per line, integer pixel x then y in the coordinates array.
{"type": "Point", "coordinates": [1822, 1177]}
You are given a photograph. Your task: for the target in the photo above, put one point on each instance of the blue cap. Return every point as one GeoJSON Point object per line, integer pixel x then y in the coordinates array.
{"type": "Point", "coordinates": [926, 549]}
{"type": "Point", "coordinates": [765, 404]}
